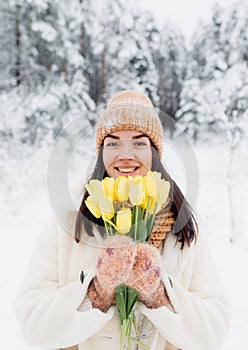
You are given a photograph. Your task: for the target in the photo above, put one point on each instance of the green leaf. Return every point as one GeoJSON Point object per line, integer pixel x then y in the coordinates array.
{"type": "Point", "coordinates": [140, 213]}
{"type": "Point", "coordinates": [115, 216]}
{"type": "Point", "coordinates": [121, 301]}
{"type": "Point", "coordinates": [132, 297]}
{"type": "Point", "coordinates": [142, 231]}
{"type": "Point", "coordinates": [149, 227]}
{"type": "Point", "coordinates": [134, 215]}
{"type": "Point", "coordinates": [131, 232]}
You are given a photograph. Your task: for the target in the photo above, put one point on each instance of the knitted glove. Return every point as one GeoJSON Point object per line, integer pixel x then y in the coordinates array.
{"type": "Point", "coordinates": [146, 276]}
{"type": "Point", "coordinates": [157, 299]}
{"type": "Point", "coordinates": [115, 262]}
{"type": "Point", "coordinates": [99, 298]}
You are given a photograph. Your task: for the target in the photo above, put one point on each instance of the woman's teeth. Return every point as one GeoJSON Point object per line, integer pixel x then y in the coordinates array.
{"type": "Point", "coordinates": [126, 170]}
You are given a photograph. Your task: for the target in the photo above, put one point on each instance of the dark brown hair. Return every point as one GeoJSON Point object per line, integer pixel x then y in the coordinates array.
{"type": "Point", "coordinates": [185, 227]}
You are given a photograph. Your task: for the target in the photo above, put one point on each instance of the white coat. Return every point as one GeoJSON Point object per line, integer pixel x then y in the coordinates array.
{"type": "Point", "coordinates": [54, 311]}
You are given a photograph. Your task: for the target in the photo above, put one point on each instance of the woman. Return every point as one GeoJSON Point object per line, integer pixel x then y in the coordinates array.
{"type": "Point", "coordinates": [187, 311]}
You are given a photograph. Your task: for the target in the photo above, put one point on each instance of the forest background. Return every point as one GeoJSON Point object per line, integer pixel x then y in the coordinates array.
{"type": "Point", "coordinates": [61, 61]}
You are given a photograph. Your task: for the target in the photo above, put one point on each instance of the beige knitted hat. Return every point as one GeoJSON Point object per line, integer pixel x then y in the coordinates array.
{"type": "Point", "coordinates": [130, 110]}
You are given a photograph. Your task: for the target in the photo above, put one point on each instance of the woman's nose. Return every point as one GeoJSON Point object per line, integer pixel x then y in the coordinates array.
{"type": "Point", "coordinates": [126, 152]}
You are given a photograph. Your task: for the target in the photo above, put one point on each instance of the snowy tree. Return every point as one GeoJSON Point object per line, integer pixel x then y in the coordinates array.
{"type": "Point", "coordinates": [125, 62]}
{"type": "Point", "coordinates": [221, 43]}
{"type": "Point", "coordinates": [51, 69]}
{"type": "Point", "coordinates": [170, 60]}
{"type": "Point", "coordinates": [47, 36]}
{"type": "Point", "coordinates": [233, 92]}
{"type": "Point", "coordinates": [48, 40]}
{"type": "Point", "coordinates": [217, 48]}
{"type": "Point", "coordinates": [10, 44]}
{"type": "Point", "coordinates": [191, 116]}
{"type": "Point", "coordinates": [219, 107]}
{"type": "Point", "coordinates": [214, 98]}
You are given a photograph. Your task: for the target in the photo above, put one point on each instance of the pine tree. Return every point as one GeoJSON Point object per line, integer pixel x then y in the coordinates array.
{"type": "Point", "coordinates": [10, 44]}
{"type": "Point", "coordinates": [214, 98]}
{"type": "Point", "coordinates": [52, 87]}
{"type": "Point", "coordinates": [170, 60]}
{"type": "Point", "coordinates": [125, 62]}
{"type": "Point", "coordinates": [217, 48]}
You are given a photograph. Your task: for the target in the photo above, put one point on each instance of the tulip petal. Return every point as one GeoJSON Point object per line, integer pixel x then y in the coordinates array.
{"type": "Point", "coordinates": [121, 188]}
{"type": "Point", "coordinates": [123, 220]}
{"type": "Point", "coordinates": [106, 207]}
{"type": "Point", "coordinates": [95, 189]}
{"type": "Point", "coordinates": [93, 207]}
{"type": "Point", "coordinates": [109, 187]}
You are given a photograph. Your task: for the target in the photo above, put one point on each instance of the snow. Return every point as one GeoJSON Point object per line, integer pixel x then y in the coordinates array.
{"type": "Point", "coordinates": [25, 208]}
{"type": "Point", "coordinates": [47, 32]}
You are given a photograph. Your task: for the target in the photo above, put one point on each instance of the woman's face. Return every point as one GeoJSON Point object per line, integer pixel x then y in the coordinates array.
{"type": "Point", "coordinates": [127, 153]}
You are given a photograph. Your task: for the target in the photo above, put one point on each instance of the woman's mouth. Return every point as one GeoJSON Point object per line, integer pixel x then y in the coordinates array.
{"type": "Point", "coordinates": [126, 170]}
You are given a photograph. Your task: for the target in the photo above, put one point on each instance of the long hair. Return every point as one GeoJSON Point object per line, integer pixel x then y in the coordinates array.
{"type": "Point", "coordinates": [185, 228]}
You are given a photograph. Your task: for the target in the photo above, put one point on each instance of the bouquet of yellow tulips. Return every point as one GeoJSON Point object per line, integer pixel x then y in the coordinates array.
{"type": "Point", "coordinates": [128, 207]}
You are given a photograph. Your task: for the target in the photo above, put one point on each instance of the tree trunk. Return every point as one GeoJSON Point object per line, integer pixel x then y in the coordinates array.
{"type": "Point", "coordinates": [17, 72]}
{"type": "Point", "coordinates": [103, 75]}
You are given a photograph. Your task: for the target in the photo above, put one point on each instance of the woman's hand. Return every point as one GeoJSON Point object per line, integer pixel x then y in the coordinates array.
{"type": "Point", "coordinates": [115, 262]}
{"type": "Point", "coordinates": [146, 277]}
{"type": "Point", "coordinates": [114, 265]}
{"type": "Point", "coordinates": [99, 298]}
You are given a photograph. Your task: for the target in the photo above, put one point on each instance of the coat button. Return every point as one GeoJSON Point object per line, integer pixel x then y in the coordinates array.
{"type": "Point", "coordinates": [82, 277]}
{"type": "Point", "coordinates": [171, 282]}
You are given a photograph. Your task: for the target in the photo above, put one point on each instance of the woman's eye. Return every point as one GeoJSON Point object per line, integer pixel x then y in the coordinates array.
{"type": "Point", "coordinates": [112, 144]}
{"type": "Point", "coordinates": [140, 144]}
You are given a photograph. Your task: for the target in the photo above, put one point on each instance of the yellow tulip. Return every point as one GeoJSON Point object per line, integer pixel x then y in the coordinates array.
{"type": "Point", "coordinates": [106, 208]}
{"type": "Point", "coordinates": [95, 189]}
{"type": "Point", "coordinates": [124, 220]}
{"type": "Point", "coordinates": [163, 194]}
{"type": "Point", "coordinates": [93, 207]}
{"type": "Point", "coordinates": [141, 181]}
{"type": "Point", "coordinates": [138, 178]}
{"type": "Point", "coordinates": [109, 187]}
{"type": "Point", "coordinates": [151, 206]}
{"type": "Point", "coordinates": [152, 182]}
{"type": "Point", "coordinates": [121, 188]}
{"type": "Point", "coordinates": [135, 192]}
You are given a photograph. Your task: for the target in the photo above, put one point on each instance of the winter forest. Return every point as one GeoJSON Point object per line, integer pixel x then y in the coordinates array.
{"type": "Point", "coordinates": [62, 60]}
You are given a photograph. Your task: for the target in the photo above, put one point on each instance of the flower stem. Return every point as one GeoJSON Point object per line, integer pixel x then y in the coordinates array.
{"type": "Point", "coordinates": [123, 333]}
{"type": "Point", "coordinates": [106, 228]}
{"type": "Point", "coordinates": [144, 346]}
{"type": "Point", "coordinates": [147, 206]}
{"type": "Point", "coordinates": [135, 222]}
{"type": "Point", "coordinates": [126, 298]}
{"type": "Point", "coordinates": [135, 325]}
{"type": "Point", "coordinates": [152, 222]}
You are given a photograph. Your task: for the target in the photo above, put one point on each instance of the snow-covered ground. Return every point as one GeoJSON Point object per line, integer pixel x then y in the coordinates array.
{"type": "Point", "coordinates": [25, 208]}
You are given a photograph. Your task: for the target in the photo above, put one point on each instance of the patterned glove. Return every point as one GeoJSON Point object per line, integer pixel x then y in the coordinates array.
{"type": "Point", "coordinates": [146, 277]}
{"type": "Point", "coordinates": [115, 262]}
{"type": "Point", "coordinates": [99, 298]}
{"type": "Point", "coordinates": [157, 299]}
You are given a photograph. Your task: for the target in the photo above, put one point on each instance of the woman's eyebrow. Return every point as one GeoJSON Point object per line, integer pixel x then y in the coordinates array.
{"type": "Point", "coordinates": [133, 137]}
{"type": "Point", "coordinates": [113, 137]}
{"type": "Point", "coordinates": [139, 136]}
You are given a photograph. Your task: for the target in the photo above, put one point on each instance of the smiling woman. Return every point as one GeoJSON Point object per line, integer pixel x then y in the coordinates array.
{"type": "Point", "coordinates": [181, 302]}
{"type": "Point", "coordinates": [127, 153]}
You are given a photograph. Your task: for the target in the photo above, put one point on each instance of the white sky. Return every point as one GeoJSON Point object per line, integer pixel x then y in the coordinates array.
{"type": "Point", "coordinates": [183, 13]}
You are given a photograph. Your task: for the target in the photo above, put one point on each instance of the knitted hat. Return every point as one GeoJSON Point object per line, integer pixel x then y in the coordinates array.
{"type": "Point", "coordinates": [130, 110]}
